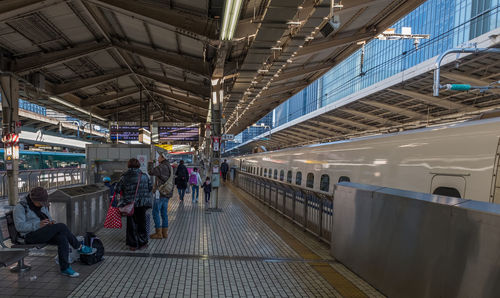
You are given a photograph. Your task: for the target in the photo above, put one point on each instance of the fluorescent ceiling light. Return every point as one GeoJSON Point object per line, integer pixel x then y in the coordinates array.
{"type": "Point", "coordinates": [231, 16]}
{"type": "Point", "coordinates": [74, 107]}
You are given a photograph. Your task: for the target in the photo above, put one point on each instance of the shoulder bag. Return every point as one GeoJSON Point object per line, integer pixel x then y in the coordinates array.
{"type": "Point", "coordinates": [128, 210]}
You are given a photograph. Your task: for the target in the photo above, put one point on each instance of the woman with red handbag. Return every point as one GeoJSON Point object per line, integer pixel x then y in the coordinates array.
{"type": "Point", "coordinates": [135, 189]}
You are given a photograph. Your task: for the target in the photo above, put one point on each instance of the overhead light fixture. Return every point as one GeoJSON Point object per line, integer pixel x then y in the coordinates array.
{"type": "Point", "coordinates": [294, 23]}
{"type": "Point", "coordinates": [231, 16]}
{"type": "Point", "coordinates": [74, 107]}
{"type": "Point", "coordinates": [263, 70]}
{"type": "Point", "coordinates": [277, 48]}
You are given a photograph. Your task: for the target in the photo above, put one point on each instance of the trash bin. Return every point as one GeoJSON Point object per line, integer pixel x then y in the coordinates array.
{"type": "Point", "coordinates": [81, 208]}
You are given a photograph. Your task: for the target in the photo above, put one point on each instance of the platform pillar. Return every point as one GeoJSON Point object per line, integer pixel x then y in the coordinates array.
{"type": "Point", "coordinates": [9, 91]}
{"type": "Point", "coordinates": [216, 131]}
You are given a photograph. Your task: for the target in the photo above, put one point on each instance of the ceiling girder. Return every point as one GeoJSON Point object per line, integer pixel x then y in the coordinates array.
{"type": "Point", "coordinates": [305, 132]}
{"type": "Point", "coordinates": [394, 109]}
{"type": "Point", "coordinates": [299, 71]}
{"type": "Point", "coordinates": [13, 8]}
{"type": "Point", "coordinates": [191, 64]}
{"type": "Point", "coordinates": [102, 99]}
{"type": "Point", "coordinates": [320, 129]}
{"type": "Point", "coordinates": [42, 60]}
{"type": "Point", "coordinates": [198, 89]}
{"type": "Point", "coordinates": [431, 100]}
{"type": "Point", "coordinates": [196, 26]}
{"type": "Point", "coordinates": [182, 99]}
{"type": "Point", "coordinates": [335, 127]}
{"type": "Point", "coordinates": [89, 82]}
{"type": "Point", "coordinates": [349, 122]}
{"type": "Point", "coordinates": [370, 117]}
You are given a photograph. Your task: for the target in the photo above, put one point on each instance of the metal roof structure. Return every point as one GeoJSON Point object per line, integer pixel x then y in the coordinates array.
{"type": "Point", "coordinates": [106, 58]}
{"type": "Point", "coordinates": [398, 103]}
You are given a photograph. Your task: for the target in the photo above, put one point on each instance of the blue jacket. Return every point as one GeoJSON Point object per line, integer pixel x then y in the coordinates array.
{"type": "Point", "coordinates": [127, 186]}
{"type": "Point", "coordinates": [25, 219]}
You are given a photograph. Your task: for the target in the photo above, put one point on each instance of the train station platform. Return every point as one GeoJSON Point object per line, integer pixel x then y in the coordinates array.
{"type": "Point", "coordinates": [244, 250]}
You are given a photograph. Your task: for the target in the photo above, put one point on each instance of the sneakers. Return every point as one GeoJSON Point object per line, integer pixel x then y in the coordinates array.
{"type": "Point", "coordinates": [85, 250]}
{"type": "Point", "coordinates": [70, 272]}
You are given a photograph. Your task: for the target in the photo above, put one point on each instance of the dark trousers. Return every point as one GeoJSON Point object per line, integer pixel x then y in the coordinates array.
{"type": "Point", "coordinates": [137, 234]}
{"type": "Point", "coordinates": [56, 234]}
{"type": "Point", "coordinates": [224, 175]}
{"type": "Point", "coordinates": [207, 196]}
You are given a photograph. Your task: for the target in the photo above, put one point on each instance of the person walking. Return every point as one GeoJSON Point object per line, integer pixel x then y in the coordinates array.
{"type": "Point", "coordinates": [224, 168]}
{"type": "Point", "coordinates": [135, 186]}
{"type": "Point", "coordinates": [195, 182]}
{"type": "Point", "coordinates": [207, 189]}
{"type": "Point", "coordinates": [162, 173]}
{"type": "Point", "coordinates": [181, 179]}
{"type": "Point", "coordinates": [33, 221]}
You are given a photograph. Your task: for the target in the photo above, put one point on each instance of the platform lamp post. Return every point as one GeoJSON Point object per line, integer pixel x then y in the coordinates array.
{"type": "Point", "coordinates": [216, 133]}
{"type": "Point", "coordinates": [11, 128]}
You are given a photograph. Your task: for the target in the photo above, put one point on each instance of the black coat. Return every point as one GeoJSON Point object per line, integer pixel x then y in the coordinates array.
{"type": "Point", "coordinates": [207, 187]}
{"type": "Point", "coordinates": [127, 187]}
{"type": "Point", "coordinates": [182, 177]}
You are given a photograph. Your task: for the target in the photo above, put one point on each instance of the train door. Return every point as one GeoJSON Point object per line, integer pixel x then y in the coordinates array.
{"type": "Point", "coordinates": [451, 185]}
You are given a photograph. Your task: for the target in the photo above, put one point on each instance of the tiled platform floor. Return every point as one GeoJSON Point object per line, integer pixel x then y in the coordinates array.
{"type": "Point", "coordinates": [207, 254]}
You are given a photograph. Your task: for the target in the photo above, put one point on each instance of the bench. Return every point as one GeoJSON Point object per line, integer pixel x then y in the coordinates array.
{"type": "Point", "coordinates": [18, 250]}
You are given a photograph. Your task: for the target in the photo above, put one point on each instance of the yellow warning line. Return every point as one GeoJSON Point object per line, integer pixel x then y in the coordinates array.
{"type": "Point", "coordinates": [341, 284]}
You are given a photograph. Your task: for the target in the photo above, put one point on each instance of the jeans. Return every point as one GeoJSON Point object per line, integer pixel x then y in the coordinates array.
{"type": "Point", "coordinates": [224, 175]}
{"type": "Point", "coordinates": [207, 196]}
{"type": "Point", "coordinates": [56, 234]}
{"type": "Point", "coordinates": [137, 235]}
{"type": "Point", "coordinates": [160, 207]}
{"type": "Point", "coordinates": [195, 188]}
{"type": "Point", "coordinates": [181, 192]}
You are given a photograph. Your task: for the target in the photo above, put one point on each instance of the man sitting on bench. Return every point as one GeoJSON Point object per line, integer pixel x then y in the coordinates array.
{"type": "Point", "coordinates": [32, 220]}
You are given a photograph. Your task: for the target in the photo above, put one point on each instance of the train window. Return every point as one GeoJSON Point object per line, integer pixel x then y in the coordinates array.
{"type": "Point", "coordinates": [289, 177]}
{"type": "Point", "coordinates": [447, 191]}
{"type": "Point", "coordinates": [344, 179]}
{"type": "Point", "coordinates": [275, 174]}
{"type": "Point", "coordinates": [324, 183]}
{"type": "Point", "coordinates": [298, 178]}
{"type": "Point", "coordinates": [260, 171]}
{"type": "Point", "coordinates": [270, 173]}
{"type": "Point", "coordinates": [265, 172]}
{"type": "Point", "coordinates": [282, 175]}
{"type": "Point", "coordinates": [310, 180]}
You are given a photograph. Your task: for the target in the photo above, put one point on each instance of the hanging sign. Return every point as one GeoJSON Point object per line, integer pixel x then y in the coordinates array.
{"type": "Point", "coordinates": [216, 143]}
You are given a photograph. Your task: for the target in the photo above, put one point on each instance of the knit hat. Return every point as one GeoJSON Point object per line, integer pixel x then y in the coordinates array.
{"type": "Point", "coordinates": [39, 194]}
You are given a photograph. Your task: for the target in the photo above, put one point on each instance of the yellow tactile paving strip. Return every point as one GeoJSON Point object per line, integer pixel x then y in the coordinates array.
{"type": "Point", "coordinates": [344, 286]}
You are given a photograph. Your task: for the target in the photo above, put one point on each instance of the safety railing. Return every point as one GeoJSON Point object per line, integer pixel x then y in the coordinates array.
{"type": "Point", "coordinates": [47, 178]}
{"type": "Point", "coordinates": [307, 208]}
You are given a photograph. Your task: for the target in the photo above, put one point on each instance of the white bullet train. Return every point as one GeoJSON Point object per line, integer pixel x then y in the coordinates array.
{"type": "Point", "coordinates": [459, 160]}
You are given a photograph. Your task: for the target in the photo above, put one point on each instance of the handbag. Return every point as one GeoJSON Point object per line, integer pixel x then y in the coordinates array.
{"type": "Point", "coordinates": [128, 210]}
{"type": "Point", "coordinates": [113, 217]}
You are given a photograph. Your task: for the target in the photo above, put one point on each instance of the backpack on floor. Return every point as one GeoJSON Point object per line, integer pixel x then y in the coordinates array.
{"type": "Point", "coordinates": [92, 241]}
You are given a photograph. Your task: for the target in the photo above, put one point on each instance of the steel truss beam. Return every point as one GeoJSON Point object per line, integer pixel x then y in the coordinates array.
{"type": "Point", "coordinates": [349, 122]}
{"type": "Point", "coordinates": [440, 102]}
{"type": "Point", "coordinates": [394, 109]}
{"type": "Point", "coordinates": [101, 99]}
{"type": "Point", "coordinates": [197, 89]}
{"type": "Point", "coordinates": [89, 82]}
{"type": "Point", "coordinates": [13, 8]}
{"type": "Point", "coordinates": [196, 26]}
{"type": "Point", "coordinates": [378, 119]}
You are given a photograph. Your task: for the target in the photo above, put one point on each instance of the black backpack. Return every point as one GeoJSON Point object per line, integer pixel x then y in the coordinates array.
{"type": "Point", "coordinates": [91, 240]}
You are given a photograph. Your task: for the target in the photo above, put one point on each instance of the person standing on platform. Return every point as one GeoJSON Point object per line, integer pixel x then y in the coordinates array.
{"type": "Point", "coordinates": [207, 189]}
{"type": "Point", "coordinates": [160, 207]}
{"type": "Point", "coordinates": [195, 182]}
{"type": "Point", "coordinates": [224, 168]}
{"type": "Point", "coordinates": [135, 186]}
{"type": "Point", "coordinates": [181, 179]}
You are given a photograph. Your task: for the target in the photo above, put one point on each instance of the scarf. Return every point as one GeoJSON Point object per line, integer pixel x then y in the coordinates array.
{"type": "Point", "coordinates": [37, 210]}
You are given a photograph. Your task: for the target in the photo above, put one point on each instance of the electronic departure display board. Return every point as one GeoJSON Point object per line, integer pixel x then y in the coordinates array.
{"type": "Point", "coordinates": [125, 131]}
{"type": "Point", "coordinates": [178, 131]}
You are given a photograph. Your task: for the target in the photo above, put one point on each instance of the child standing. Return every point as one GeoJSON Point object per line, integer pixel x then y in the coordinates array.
{"type": "Point", "coordinates": [195, 181]}
{"type": "Point", "coordinates": [207, 189]}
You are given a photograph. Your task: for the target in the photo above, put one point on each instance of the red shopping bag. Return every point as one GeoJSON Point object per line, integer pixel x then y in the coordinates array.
{"type": "Point", "coordinates": [113, 217]}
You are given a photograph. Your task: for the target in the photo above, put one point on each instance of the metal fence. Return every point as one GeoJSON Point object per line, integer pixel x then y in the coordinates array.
{"type": "Point", "coordinates": [307, 208]}
{"type": "Point", "coordinates": [48, 178]}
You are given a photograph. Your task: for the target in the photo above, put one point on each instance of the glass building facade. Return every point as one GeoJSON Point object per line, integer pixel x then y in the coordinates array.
{"type": "Point", "coordinates": [450, 24]}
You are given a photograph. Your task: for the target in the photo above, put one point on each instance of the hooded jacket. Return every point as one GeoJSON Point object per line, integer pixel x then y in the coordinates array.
{"type": "Point", "coordinates": [161, 172]}
{"type": "Point", "coordinates": [128, 184]}
{"type": "Point", "coordinates": [25, 219]}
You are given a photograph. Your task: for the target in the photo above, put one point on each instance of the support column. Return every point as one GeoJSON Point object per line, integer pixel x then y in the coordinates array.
{"type": "Point", "coordinates": [9, 91]}
{"type": "Point", "coordinates": [216, 130]}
